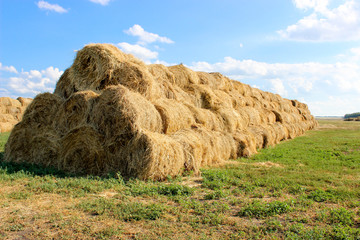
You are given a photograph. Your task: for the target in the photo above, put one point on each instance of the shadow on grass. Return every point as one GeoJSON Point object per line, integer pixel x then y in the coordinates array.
{"type": "Point", "coordinates": [37, 170]}
{"type": "Point", "coordinates": [31, 169]}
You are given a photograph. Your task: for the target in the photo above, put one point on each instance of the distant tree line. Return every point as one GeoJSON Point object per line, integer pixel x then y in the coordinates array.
{"type": "Point", "coordinates": [352, 115]}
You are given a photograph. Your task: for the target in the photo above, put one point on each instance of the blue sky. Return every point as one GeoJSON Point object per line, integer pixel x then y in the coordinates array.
{"type": "Point", "coordinates": [302, 49]}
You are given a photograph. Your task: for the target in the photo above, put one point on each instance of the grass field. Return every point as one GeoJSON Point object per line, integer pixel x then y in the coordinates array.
{"type": "Point", "coordinates": [306, 188]}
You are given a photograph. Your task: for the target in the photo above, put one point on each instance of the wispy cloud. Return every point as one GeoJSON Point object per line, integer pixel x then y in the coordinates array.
{"type": "Point", "coordinates": [101, 2]}
{"type": "Point", "coordinates": [43, 5]}
{"type": "Point", "coordinates": [146, 37]}
{"type": "Point", "coordinates": [323, 24]}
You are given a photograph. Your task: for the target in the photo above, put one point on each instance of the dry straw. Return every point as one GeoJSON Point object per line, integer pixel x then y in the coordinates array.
{"type": "Point", "coordinates": [112, 113]}
{"type": "Point", "coordinates": [11, 112]}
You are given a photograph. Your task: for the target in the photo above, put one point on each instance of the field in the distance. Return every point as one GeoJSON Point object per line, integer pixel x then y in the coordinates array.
{"type": "Point", "coordinates": [306, 188]}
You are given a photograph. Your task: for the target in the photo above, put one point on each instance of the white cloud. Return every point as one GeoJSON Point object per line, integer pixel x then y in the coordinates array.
{"type": "Point", "coordinates": [278, 87]}
{"type": "Point", "coordinates": [28, 84]}
{"type": "Point", "coordinates": [335, 105]}
{"type": "Point", "coordinates": [43, 5]}
{"type": "Point", "coordinates": [52, 73]}
{"type": "Point", "coordinates": [10, 69]}
{"type": "Point", "coordinates": [298, 77]}
{"type": "Point", "coordinates": [323, 24]}
{"type": "Point", "coordinates": [138, 51]}
{"type": "Point", "coordinates": [146, 37]}
{"type": "Point", "coordinates": [102, 2]}
{"type": "Point", "coordinates": [355, 51]}
{"type": "Point", "coordinates": [318, 5]}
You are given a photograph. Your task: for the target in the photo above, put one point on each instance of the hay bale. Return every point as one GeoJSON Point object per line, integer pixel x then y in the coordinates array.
{"type": "Point", "coordinates": [11, 111]}
{"type": "Point", "coordinates": [237, 100]}
{"type": "Point", "coordinates": [151, 155]}
{"type": "Point", "coordinates": [8, 118]}
{"type": "Point", "coordinates": [263, 137]}
{"type": "Point", "coordinates": [161, 73]}
{"type": "Point", "coordinates": [175, 115]}
{"type": "Point", "coordinates": [231, 120]}
{"type": "Point", "coordinates": [75, 111]}
{"type": "Point", "coordinates": [42, 110]}
{"type": "Point", "coordinates": [246, 143]}
{"type": "Point", "coordinates": [184, 76]}
{"type": "Point", "coordinates": [215, 80]}
{"type": "Point", "coordinates": [119, 111]}
{"type": "Point", "coordinates": [254, 116]}
{"type": "Point", "coordinates": [205, 97]}
{"type": "Point", "coordinates": [65, 86]}
{"type": "Point", "coordinates": [81, 151]}
{"type": "Point", "coordinates": [112, 113]}
{"type": "Point", "coordinates": [24, 101]}
{"type": "Point", "coordinates": [216, 145]}
{"type": "Point", "coordinates": [192, 147]}
{"type": "Point", "coordinates": [98, 66]}
{"type": "Point", "coordinates": [280, 131]}
{"type": "Point", "coordinates": [6, 101]}
{"type": "Point", "coordinates": [205, 117]}
{"type": "Point", "coordinates": [45, 147]}
{"type": "Point", "coordinates": [6, 126]}
{"type": "Point", "coordinates": [18, 146]}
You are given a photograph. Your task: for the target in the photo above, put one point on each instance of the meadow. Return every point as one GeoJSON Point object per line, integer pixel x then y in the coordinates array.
{"type": "Point", "coordinates": [305, 188]}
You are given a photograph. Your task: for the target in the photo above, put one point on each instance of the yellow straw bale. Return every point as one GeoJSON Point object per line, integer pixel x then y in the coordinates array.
{"type": "Point", "coordinates": [119, 111]}
{"type": "Point", "coordinates": [246, 144]}
{"type": "Point", "coordinates": [175, 115]}
{"type": "Point", "coordinates": [97, 66]}
{"type": "Point", "coordinates": [75, 111]}
{"type": "Point", "coordinates": [6, 126]}
{"type": "Point", "coordinates": [24, 101]}
{"type": "Point", "coordinates": [112, 113]}
{"type": "Point", "coordinates": [81, 151]}
{"type": "Point", "coordinates": [254, 116]}
{"type": "Point", "coordinates": [206, 118]}
{"type": "Point", "coordinates": [152, 155]}
{"type": "Point", "coordinates": [44, 147]}
{"type": "Point", "coordinates": [192, 147]}
{"type": "Point", "coordinates": [184, 76]}
{"type": "Point", "coordinates": [42, 110]}
{"type": "Point", "coordinates": [231, 120]}
{"type": "Point", "coordinates": [65, 86]}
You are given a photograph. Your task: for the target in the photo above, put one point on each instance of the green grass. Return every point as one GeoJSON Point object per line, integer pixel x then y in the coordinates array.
{"type": "Point", "coordinates": [305, 188]}
{"type": "Point", "coordinates": [123, 211]}
{"type": "Point", "coordinates": [259, 209]}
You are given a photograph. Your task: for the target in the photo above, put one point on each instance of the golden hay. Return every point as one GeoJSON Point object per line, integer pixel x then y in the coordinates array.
{"type": "Point", "coordinates": [112, 113]}
{"type": "Point", "coordinates": [42, 110]}
{"type": "Point", "coordinates": [81, 151]}
{"type": "Point", "coordinates": [175, 115]}
{"type": "Point", "coordinates": [184, 76]}
{"type": "Point", "coordinates": [152, 155]}
{"type": "Point", "coordinates": [6, 126]}
{"type": "Point", "coordinates": [24, 101]}
{"type": "Point", "coordinates": [11, 112]}
{"type": "Point", "coordinates": [75, 111]}
{"type": "Point", "coordinates": [98, 66]}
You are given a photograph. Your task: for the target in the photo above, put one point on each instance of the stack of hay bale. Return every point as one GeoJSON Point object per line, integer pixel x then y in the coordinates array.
{"type": "Point", "coordinates": [11, 112]}
{"type": "Point", "coordinates": [112, 113]}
